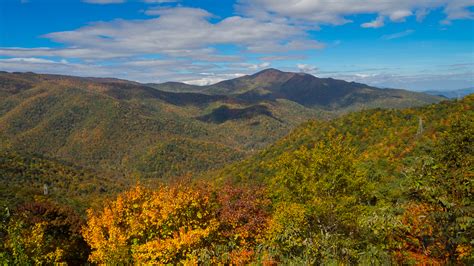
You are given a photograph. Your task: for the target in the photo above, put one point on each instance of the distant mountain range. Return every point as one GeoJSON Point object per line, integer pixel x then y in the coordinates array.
{"type": "Point", "coordinates": [171, 129]}
{"type": "Point", "coordinates": [304, 89]}
{"type": "Point", "coordinates": [452, 93]}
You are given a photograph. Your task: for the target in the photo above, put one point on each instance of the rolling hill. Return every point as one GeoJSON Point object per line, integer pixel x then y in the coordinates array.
{"type": "Point", "coordinates": [385, 141]}
{"type": "Point", "coordinates": [171, 129]}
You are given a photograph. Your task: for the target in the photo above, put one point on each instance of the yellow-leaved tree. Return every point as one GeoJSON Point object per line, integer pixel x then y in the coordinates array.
{"type": "Point", "coordinates": [142, 226]}
{"type": "Point", "coordinates": [179, 224]}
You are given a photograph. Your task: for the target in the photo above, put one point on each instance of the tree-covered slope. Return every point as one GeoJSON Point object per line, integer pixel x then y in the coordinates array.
{"type": "Point", "coordinates": [120, 126]}
{"type": "Point", "coordinates": [25, 178]}
{"type": "Point", "coordinates": [372, 187]}
{"type": "Point", "coordinates": [125, 127]}
{"type": "Point", "coordinates": [383, 139]}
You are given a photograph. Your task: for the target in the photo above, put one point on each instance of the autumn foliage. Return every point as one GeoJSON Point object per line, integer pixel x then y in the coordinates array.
{"type": "Point", "coordinates": [44, 233]}
{"type": "Point", "coordinates": [365, 189]}
{"type": "Point", "coordinates": [176, 224]}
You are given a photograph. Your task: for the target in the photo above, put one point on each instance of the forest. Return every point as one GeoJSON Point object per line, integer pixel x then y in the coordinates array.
{"type": "Point", "coordinates": [377, 186]}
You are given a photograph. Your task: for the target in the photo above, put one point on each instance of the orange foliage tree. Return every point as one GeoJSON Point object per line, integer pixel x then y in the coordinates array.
{"type": "Point", "coordinates": [176, 224]}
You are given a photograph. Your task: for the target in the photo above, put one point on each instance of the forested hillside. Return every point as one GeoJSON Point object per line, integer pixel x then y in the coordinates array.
{"type": "Point", "coordinates": [26, 178]}
{"type": "Point", "coordinates": [386, 138]}
{"type": "Point", "coordinates": [126, 128]}
{"type": "Point", "coordinates": [370, 187]}
{"type": "Point", "coordinates": [118, 127]}
{"type": "Point", "coordinates": [378, 186]}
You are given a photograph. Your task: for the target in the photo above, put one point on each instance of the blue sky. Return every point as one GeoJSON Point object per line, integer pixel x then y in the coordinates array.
{"type": "Point", "coordinates": [411, 44]}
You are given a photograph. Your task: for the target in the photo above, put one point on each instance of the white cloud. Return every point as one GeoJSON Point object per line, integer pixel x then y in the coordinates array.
{"type": "Point", "coordinates": [151, 70]}
{"type": "Point", "coordinates": [377, 23]}
{"type": "Point", "coordinates": [212, 78]}
{"type": "Point", "coordinates": [176, 32]}
{"type": "Point", "coordinates": [310, 69]}
{"type": "Point", "coordinates": [31, 60]}
{"type": "Point", "coordinates": [335, 12]}
{"type": "Point", "coordinates": [400, 15]}
{"type": "Point", "coordinates": [421, 14]}
{"type": "Point", "coordinates": [183, 40]}
{"type": "Point", "coordinates": [84, 53]}
{"type": "Point", "coordinates": [255, 67]}
{"type": "Point", "coordinates": [457, 9]}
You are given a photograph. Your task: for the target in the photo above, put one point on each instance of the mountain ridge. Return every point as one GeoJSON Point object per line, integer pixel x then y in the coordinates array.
{"type": "Point", "coordinates": [122, 126]}
{"type": "Point", "coordinates": [303, 88]}
{"type": "Point", "coordinates": [459, 93]}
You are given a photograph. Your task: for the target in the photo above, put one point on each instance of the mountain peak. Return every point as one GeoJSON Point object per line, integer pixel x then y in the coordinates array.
{"type": "Point", "coordinates": [269, 71]}
{"type": "Point", "coordinates": [272, 75]}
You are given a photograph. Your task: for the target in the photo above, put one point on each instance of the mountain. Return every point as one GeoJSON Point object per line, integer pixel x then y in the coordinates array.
{"type": "Point", "coordinates": [308, 90]}
{"type": "Point", "coordinates": [452, 93]}
{"type": "Point", "coordinates": [128, 128]}
{"type": "Point", "coordinates": [171, 129]}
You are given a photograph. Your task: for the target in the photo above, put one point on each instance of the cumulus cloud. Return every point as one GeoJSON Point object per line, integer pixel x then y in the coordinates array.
{"type": "Point", "coordinates": [184, 39]}
{"type": "Point", "coordinates": [377, 23]}
{"type": "Point", "coordinates": [335, 12]}
{"type": "Point", "coordinates": [400, 15]}
{"type": "Point", "coordinates": [176, 31]}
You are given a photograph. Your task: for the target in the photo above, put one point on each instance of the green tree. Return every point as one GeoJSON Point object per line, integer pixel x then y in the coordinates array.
{"type": "Point", "coordinates": [322, 195]}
